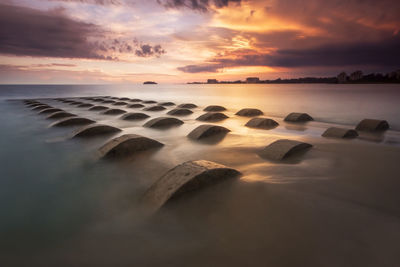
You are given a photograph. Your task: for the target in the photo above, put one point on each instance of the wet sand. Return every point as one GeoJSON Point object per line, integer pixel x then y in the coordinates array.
{"type": "Point", "coordinates": [335, 205]}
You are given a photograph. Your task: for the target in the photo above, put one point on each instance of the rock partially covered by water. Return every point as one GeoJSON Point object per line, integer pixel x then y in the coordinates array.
{"type": "Point", "coordinates": [149, 102]}
{"type": "Point", "coordinates": [214, 108]}
{"type": "Point", "coordinates": [114, 111]}
{"type": "Point", "coordinates": [98, 100]}
{"type": "Point", "coordinates": [282, 149]}
{"type": "Point", "coordinates": [298, 117]}
{"type": "Point", "coordinates": [336, 132]}
{"type": "Point", "coordinates": [72, 121]}
{"type": "Point", "coordinates": [98, 108]}
{"type": "Point", "coordinates": [135, 100]}
{"type": "Point", "coordinates": [185, 178]}
{"type": "Point", "coordinates": [372, 125]}
{"type": "Point", "coordinates": [41, 107]}
{"type": "Point", "coordinates": [136, 106]}
{"type": "Point", "coordinates": [108, 101]}
{"type": "Point", "coordinates": [212, 116]}
{"type": "Point", "coordinates": [262, 123]}
{"type": "Point", "coordinates": [120, 103]}
{"type": "Point", "coordinates": [134, 116]}
{"type": "Point", "coordinates": [180, 112]}
{"type": "Point", "coordinates": [49, 110]}
{"type": "Point", "coordinates": [32, 105]}
{"type": "Point", "coordinates": [60, 115]}
{"type": "Point", "coordinates": [163, 122]}
{"type": "Point", "coordinates": [76, 103]}
{"type": "Point", "coordinates": [167, 104]}
{"type": "Point", "coordinates": [95, 130]}
{"type": "Point", "coordinates": [154, 108]}
{"type": "Point", "coordinates": [187, 105]}
{"type": "Point", "coordinates": [124, 98]}
{"type": "Point", "coordinates": [85, 105]}
{"type": "Point", "coordinates": [127, 145]}
{"type": "Point", "coordinates": [249, 112]}
{"type": "Point", "coordinates": [207, 130]}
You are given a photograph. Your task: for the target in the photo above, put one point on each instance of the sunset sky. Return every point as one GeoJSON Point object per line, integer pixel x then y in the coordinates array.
{"type": "Point", "coordinates": [176, 41]}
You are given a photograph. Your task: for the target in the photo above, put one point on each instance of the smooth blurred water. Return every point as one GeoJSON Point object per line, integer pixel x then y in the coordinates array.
{"type": "Point", "coordinates": [59, 204]}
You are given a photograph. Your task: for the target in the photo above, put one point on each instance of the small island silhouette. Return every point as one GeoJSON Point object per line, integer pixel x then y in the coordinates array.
{"type": "Point", "coordinates": [149, 82]}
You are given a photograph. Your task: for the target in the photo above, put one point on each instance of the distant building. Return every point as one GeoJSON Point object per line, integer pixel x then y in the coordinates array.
{"type": "Point", "coordinates": [212, 81]}
{"type": "Point", "coordinates": [252, 80]}
{"type": "Point", "coordinates": [342, 77]}
{"type": "Point", "coordinates": [356, 76]}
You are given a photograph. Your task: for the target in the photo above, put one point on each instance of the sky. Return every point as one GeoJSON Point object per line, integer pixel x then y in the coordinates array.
{"type": "Point", "coordinates": [179, 41]}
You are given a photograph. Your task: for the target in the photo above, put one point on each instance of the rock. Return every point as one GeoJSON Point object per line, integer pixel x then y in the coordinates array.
{"type": "Point", "coordinates": [135, 100]}
{"type": "Point", "coordinates": [108, 101]}
{"type": "Point", "coordinates": [282, 149]}
{"type": "Point", "coordinates": [212, 116]}
{"type": "Point", "coordinates": [180, 112]}
{"type": "Point", "coordinates": [149, 102]}
{"type": "Point", "coordinates": [49, 110]}
{"type": "Point", "coordinates": [336, 132]}
{"type": "Point", "coordinates": [114, 111]}
{"type": "Point", "coordinates": [163, 122]}
{"type": "Point", "coordinates": [72, 121]}
{"type": "Point", "coordinates": [96, 108]}
{"type": "Point", "coordinates": [167, 104]}
{"type": "Point", "coordinates": [154, 108]}
{"type": "Point", "coordinates": [207, 130]}
{"type": "Point", "coordinates": [75, 103]}
{"type": "Point", "coordinates": [214, 108]}
{"type": "Point", "coordinates": [85, 105]}
{"type": "Point", "coordinates": [135, 106]}
{"type": "Point", "coordinates": [298, 117]}
{"type": "Point", "coordinates": [41, 107]}
{"type": "Point", "coordinates": [60, 115]}
{"type": "Point", "coordinates": [185, 178]}
{"type": "Point", "coordinates": [249, 112]}
{"type": "Point", "coordinates": [372, 125]}
{"type": "Point", "coordinates": [32, 105]}
{"type": "Point", "coordinates": [98, 100]}
{"type": "Point", "coordinates": [95, 130]}
{"type": "Point", "coordinates": [114, 97]}
{"type": "Point", "coordinates": [120, 104]}
{"type": "Point", "coordinates": [134, 116]}
{"type": "Point", "coordinates": [124, 98]}
{"type": "Point", "coordinates": [187, 105]}
{"type": "Point", "coordinates": [127, 145]}
{"type": "Point", "coordinates": [262, 123]}
{"type": "Point", "coordinates": [68, 101]}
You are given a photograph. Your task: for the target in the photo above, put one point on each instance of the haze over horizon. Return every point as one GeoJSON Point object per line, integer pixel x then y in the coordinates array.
{"type": "Point", "coordinates": [177, 41]}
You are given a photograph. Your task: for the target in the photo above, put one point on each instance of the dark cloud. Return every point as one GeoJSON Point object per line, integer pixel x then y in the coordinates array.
{"type": "Point", "coordinates": [380, 54]}
{"type": "Point", "coordinates": [147, 50]}
{"type": "Point", "coordinates": [30, 32]}
{"type": "Point", "coordinates": [200, 5]}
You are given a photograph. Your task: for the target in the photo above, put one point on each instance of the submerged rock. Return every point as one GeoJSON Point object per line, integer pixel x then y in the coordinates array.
{"type": "Point", "coordinates": [154, 108]}
{"type": "Point", "coordinates": [127, 145]}
{"type": "Point", "coordinates": [214, 108]}
{"type": "Point", "coordinates": [98, 108]}
{"type": "Point", "coordinates": [42, 107]}
{"type": "Point", "coordinates": [120, 104]}
{"type": "Point", "coordinates": [372, 125]}
{"type": "Point", "coordinates": [185, 178]}
{"type": "Point", "coordinates": [262, 123]}
{"type": "Point", "coordinates": [95, 130]}
{"type": "Point", "coordinates": [336, 132]}
{"type": "Point", "coordinates": [149, 102]}
{"type": "Point", "coordinates": [167, 104]}
{"type": "Point", "coordinates": [282, 149]}
{"type": "Point", "coordinates": [249, 112]}
{"type": "Point", "coordinates": [136, 106]}
{"type": "Point", "coordinates": [207, 130]}
{"type": "Point", "coordinates": [72, 121]}
{"type": "Point", "coordinates": [134, 116]}
{"type": "Point", "coordinates": [114, 111]}
{"type": "Point", "coordinates": [85, 105]}
{"type": "Point", "coordinates": [187, 105]}
{"type": "Point", "coordinates": [212, 116]}
{"type": "Point", "coordinates": [180, 112]}
{"type": "Point", "coordinates": [49, 110]}
{"type": "Point", "coordinates": [298, 117]}
{"type": "Point", "coordinates": [163, 122]}
{"type": "Point", "coordinates": [60, 114]}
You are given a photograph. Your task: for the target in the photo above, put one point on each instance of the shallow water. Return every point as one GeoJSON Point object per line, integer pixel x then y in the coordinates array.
{"type": "Point", "coordinates": [335, 205]}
